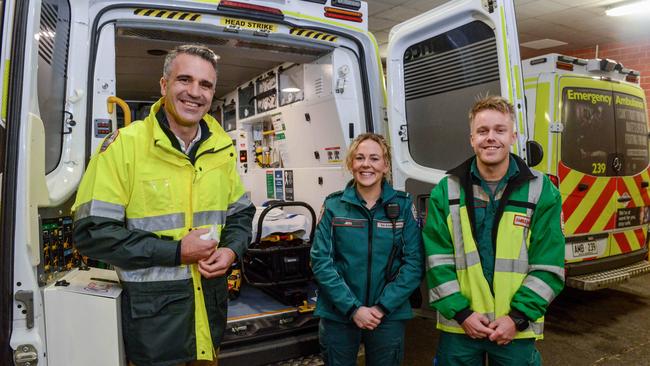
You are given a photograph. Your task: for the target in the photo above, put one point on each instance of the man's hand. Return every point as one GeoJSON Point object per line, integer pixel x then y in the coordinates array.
{"type": "Point", "coordinates": [367, 318]}
{"type": "Point", "coordinates": [504, 330]}
{"type": "Point", "coordinates": [218, 263]}
{"type": "Point", "coordinates": [475, 326]}
{"type": "Point", "coordinates": [193, 248]}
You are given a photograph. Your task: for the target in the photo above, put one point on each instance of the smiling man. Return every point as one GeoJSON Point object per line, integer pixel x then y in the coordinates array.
{"type": "Point", "coordinates": [494, 246]}
{"type": "Point", "coordinates": [147, 197]}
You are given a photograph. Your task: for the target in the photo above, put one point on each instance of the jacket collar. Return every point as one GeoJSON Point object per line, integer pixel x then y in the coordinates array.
{"type": "Point", "coordinates": [350, 193]}
{"type": "Point", "coordinates": [463, 171]}
{"type": "Point", "coordinates": [213, 136]}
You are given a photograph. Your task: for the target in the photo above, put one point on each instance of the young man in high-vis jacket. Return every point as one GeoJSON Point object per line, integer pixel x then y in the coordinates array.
{"type": "Point", "coordinates": [494, 247]}
{"type": "Point", "coordinates": [147, 197]}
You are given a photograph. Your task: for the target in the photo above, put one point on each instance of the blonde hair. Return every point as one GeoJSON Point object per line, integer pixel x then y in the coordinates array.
{"type": "Point", "coordinates": [492, 102]}
{"type": "Point", "coordinates": [379, 139]}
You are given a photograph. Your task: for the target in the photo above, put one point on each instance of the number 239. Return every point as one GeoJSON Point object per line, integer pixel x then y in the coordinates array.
{"type": "Point", "coordinates": [598, 168]}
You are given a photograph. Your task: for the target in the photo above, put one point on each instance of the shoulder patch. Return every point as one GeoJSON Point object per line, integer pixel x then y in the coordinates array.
{"type": "Point", "coordinates": [109, 140]}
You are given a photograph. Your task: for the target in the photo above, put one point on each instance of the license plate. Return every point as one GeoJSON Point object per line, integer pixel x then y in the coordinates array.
{"type": "Point", "coordinates": [584, 249]}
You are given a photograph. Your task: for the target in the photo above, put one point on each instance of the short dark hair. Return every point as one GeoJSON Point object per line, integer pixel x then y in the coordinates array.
{"type": "Point", "coordinates": [492, 102]}
{"type": "Point", "coordinates": [190, 49]}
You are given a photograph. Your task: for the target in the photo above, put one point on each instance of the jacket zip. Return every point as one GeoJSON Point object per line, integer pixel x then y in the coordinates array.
{"type": "Point", "coordinates": [214, 151]}
{"type": "Point", "coordinates": [370, 225]}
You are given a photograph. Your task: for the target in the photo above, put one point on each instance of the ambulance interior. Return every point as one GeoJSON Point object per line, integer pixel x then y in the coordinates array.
{"type": "Point", "coordinates": [291, 106]}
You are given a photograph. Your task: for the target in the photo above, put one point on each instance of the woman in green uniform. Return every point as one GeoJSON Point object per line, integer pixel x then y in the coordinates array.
{"type": "Point", "coordinates": [367, 260]}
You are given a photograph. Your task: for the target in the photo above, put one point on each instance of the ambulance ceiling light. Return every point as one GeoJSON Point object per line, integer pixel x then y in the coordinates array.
{"type": "Point", "coordinates": [290, 90]}
{"type": "Point", "coordinates": [543, 43]}
{"type": "Point", "coordinates": [629, 8]}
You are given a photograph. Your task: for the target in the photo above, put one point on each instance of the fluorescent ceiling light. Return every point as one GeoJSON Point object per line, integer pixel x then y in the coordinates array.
{"type": "Point", "coordinates": [290, 90]}
{"type": "Point", "coordinates": [543, 43]}
{"type": "Point", "coordinates": [629, 8]}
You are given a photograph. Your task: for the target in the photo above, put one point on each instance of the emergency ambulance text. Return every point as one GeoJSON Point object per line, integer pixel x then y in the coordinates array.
{"type": "Point", "coordinates": [593, 97]}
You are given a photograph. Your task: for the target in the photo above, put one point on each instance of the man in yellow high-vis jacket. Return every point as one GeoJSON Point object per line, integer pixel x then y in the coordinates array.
{"type": "Point", "coordinates": [494, 247]}
{"type": "Point", "coordinates": [147, 197]}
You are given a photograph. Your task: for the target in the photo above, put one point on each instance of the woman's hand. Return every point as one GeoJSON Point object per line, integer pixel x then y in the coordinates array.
{"type": "Point", "coordinates": [367, 318]}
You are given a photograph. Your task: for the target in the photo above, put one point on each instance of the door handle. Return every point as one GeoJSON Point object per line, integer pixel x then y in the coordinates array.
{"type": "Point", "coordinates": [645, 184]}
{"type": "Point", "coordinates": [583, 187]}
{"type": "Point", "coordinates": [624, 199]}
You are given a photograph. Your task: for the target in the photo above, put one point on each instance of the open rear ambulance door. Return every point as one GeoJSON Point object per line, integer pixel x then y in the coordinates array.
{"type": "Point", "coordinates": [38, 162]}
{"type": "Point", "coordinates": [23, 330]}
{"type": "Point", "coordinates": [438, 64]}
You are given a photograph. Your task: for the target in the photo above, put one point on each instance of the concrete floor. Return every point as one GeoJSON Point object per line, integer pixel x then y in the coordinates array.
{"type": "Point", "coordinates": [607, 327]}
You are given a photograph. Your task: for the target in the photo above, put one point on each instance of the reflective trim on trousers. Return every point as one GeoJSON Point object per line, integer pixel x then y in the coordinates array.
{"type": "Point", "coordinates": [556, 270]}
{"type": "Point", "coordinates": [214, 217]}
{"type": "Point", "coordinates": [154, 274]}
{"type": "Point", "coordinates": [157, 223]}
{"type": "Point", "coordinates": [436, 260]}
{"type": "Point", "coordinates": [539, 287]}
{"type": "Point", "coordinates": [242, 203]}
{"type": "Point", "coordinates": [443, 290]}
{"type": "Point", "coordinates": [100, 208]}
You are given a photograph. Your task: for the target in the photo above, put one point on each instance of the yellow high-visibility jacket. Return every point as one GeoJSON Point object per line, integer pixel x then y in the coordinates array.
{"type": "Point", "coordinates": [139, 196]}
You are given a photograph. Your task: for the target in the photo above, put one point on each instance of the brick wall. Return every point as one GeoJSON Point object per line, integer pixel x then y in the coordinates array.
{"type": "Point", "coordinates": [633, 55]}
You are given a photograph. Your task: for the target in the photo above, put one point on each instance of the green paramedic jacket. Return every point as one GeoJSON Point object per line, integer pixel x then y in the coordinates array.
{"type": "Point", "coordinates": [349, 256]}
{"type": "Point", "coordinates": [529, 253]}
{"type": "Point", "coordinates": [139, 196]}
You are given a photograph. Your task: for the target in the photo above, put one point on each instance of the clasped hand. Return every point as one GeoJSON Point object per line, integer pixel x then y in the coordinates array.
{"type": "Point", "coordinates": [212, 261]}
{"type": "Point", "coordinates": [502, 330]}
{"type": "Point", "coordinates": [367, 317]}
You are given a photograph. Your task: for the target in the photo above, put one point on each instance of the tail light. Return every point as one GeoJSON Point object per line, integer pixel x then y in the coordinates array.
{"type": "Point", "coordinates": [353, 16]}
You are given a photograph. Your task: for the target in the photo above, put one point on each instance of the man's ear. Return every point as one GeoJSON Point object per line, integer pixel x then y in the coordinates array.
{"type": "Point", "coordinates": [163, 86]}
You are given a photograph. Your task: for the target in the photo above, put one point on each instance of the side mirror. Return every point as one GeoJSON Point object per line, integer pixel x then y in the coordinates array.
{"type": "Point", "coordinates": [534, 153]}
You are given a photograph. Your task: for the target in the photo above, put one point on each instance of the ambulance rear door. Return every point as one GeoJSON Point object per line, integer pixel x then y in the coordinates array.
{"type": "Point", "coordinates": [438, 64]}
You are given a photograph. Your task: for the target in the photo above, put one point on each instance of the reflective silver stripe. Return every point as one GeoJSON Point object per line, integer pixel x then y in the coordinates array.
{"type": "Point", "coordinates": [153, 274]}
{"type": "Point", "coordinates": [556, 270]}
{"type": "Point", "coordinates": [534, 192]}
{"type": "Point", "coordinates": [453, 191]}
{"type": "Point", "coordinates": [440, 260]}
{"type": "Point", "coordinates": [537, 328]}
{"type": "Point", "coordinates": [209, 218]}
{"type": "Point", "coordinates": [100, 208]}
{"type": "Point", "coordinates": [157, 223]}
{"type": "Point", "coordinates": [465, 260]}
{"type": "Point", "coordinates": [242, 203]}
{"type": "Point", "coordinates": [510, 266]}
{"type": "Point", "coordinates": [443, 290]}
{"type": "Point", "coordinates": [539, 287]}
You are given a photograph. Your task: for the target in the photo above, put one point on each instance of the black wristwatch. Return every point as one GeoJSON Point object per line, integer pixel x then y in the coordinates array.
{"type": "Point", "coordinates": [520, 323]}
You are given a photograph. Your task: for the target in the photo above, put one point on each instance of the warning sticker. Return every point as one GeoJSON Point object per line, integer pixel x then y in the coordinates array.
{"type": "Point", "coordinates": [249, 24]}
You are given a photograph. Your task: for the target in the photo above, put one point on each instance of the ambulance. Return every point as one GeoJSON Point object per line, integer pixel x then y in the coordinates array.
{"type": "Point", "coordinates": [590, 117]}
{"type": "Point", "coordinates": [297, 81]}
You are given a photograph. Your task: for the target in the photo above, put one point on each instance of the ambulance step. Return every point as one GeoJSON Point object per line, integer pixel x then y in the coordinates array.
{"type": "Point", "coordinates": [599, 280]}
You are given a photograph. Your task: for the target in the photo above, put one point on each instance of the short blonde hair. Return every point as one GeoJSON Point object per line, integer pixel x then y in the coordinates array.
{"type": "Point", "coordinates": [492, 102]}
{"type": "Point", "coordinates": [379, 139]}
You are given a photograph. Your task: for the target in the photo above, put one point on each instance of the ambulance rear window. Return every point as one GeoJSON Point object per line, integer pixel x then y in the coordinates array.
{"type": "Point", "coordinates": [605, 133]}
{"type": "Point", "coordinates": [631, 133]}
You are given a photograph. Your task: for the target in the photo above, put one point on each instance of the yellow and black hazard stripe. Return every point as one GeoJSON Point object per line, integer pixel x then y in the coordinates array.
{"type": "Point", "coordinates": [168, 14]}
{"type": "Point", "coordinates": [313, 34]}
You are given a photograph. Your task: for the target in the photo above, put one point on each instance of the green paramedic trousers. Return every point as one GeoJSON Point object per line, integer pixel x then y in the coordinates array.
{"type": "Point", "coordinates": [461, 350]}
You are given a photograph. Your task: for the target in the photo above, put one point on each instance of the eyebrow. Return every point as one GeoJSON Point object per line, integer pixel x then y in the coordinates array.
{"type": "Point", "coordinates": [202, 81]}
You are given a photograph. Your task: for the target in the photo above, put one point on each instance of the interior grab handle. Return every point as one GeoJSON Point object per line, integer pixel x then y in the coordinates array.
{"type": "Point", "coordinates": [111, 100]}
